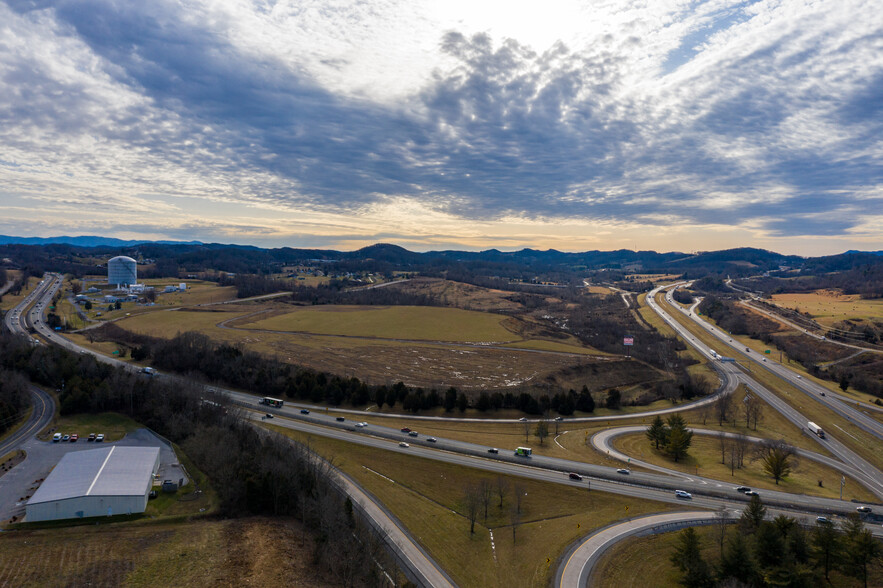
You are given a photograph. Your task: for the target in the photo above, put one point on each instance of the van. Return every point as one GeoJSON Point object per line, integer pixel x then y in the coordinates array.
{"type": "Point", "coordinates": [56, 437]}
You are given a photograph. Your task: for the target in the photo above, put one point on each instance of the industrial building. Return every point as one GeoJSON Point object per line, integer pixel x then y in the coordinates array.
{"type": "Point", "coordinates": [122, 271]}
{"type": "Point", "coordinates": [98, 482]}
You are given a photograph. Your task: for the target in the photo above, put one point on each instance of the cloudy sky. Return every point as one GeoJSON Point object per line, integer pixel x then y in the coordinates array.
{"type": "Point", "coordinates": [657, 124]}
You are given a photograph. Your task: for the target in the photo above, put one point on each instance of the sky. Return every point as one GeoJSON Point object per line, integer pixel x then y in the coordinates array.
{"type": "Point", "coordinates": [649, 124]}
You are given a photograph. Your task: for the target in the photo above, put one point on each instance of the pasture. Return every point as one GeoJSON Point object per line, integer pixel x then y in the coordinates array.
{"type": "Point", "coordinates": [830, 306]}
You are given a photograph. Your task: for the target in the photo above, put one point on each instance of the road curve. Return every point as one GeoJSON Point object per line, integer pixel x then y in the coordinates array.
{"type": "Point", "coordinates": [41, 416]}
{"type": "Point", "coordinates": [576, 567]}
{"type": "Point", "coordinates": [602, 442]}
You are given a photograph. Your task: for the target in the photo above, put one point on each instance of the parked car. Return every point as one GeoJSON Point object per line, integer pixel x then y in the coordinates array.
{"type": "Point", "coordinates": [403, 444]}
{"type": "Point", "coordinates": [56, 437]}
{"type": "Point", "coordinates": [74, 437]}
{"type": "Point", "coordinates": [99, 438]}
{"type": "Point", "coordinates": [304, 411]}
{"type": "Point", "coordinates": [864, 509]}
{"type": "Point", "coordinates": [683, 494]}
{"type": "Point", "coordinates": [575, 476]}
{"type": "Point", "coordinates": [339, 419]}
{"type": "Point", "coordinates": [91, 437]}
{"type": "Point", "coordinates": [493, 450]}
{"type": "Point", "coordinates": [622, 471]}
{"type": "Point", "coordinates": [431, 439]}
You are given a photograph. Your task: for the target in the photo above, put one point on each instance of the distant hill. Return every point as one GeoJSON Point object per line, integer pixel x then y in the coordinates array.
{"type": "Point", "coordinates": [85, 241]}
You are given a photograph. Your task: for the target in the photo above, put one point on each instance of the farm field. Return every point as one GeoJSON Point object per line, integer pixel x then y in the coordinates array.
{"type": "Point", "coordinates": [427, 496]}
{"type": "Point", "coordinates": [534, 362]}
{"type": "Point", "coordinates": [704, 459]}
{"type": "Point", "coordinates": [829, 307]}
{"type": "Point", "coordinates": [210, 553]}
{"type": "Point", "coordinates": [422, 323]}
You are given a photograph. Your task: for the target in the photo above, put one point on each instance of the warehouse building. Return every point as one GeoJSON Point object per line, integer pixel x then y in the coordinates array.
{"type": "Point", "coordinates": [98, 482]}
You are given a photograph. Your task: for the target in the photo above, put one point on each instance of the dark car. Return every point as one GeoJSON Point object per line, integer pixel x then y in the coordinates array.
{"type": "Point", "coordinates": [493, 450]}
{"type": "Point", "coordinates": [340, 419]}
{"type": "Point", "coordinates": [268, 416]}
{"type": "Point", "coordinates": [405, 430]}
{"type": "Point", "coordinates": [743, 489]}
{"type": "Point", "coordinates": [304, 411]}
{"type": "Point", "coordinates": [574, 476]}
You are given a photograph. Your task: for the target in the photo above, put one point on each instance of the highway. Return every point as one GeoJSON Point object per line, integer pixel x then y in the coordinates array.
{"type": "Point", "coordinates": [708, 494]}
{"type": "Point", "coordinates": [807, 386]}
{"type": "Point", "coordinates": [871, 476]}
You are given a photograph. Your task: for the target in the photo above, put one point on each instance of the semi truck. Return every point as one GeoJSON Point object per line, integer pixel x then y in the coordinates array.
{"type": "Point", "coordinates": [816, 429]}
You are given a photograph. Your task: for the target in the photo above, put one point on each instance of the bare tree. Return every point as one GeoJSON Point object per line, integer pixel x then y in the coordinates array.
{"type": "Point", "coordinates": [502, 487]}
{"type": "Point", "coordinates": [704, 413]}
{"type": "Point", "coordinates": [732, 458]}
{"type": "Point", "coordinates": [721, 520]}
{"type": "Point", "coordinates": [724, 445]}
{"type": "Point", "coordinates": [487, 491]}
{"type": "Point", "coordinates": [472, 505]}
{"type": "Point", "coordinates": [741, 443]}
{"type": "Point", "coordinates": [722, 408]}
{"type": "Point", "coordinates": [756, 412]}
{"type": "Point", "coordinates": [514, 520]}
{"type": "Point", "coordinates": [526, 427]}
{"type": "Point", "coordinates": [542, 431]}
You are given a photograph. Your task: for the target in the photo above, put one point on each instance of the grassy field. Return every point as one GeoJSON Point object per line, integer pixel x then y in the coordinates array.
{"type": "Point", "coordinates": [197, 292]}
{"type": "Point", "coordinates": [420, 323]}
{"type": "Point", "coordinates": [855, 438]}
{"type": "Point", "coordinates": [829, 307]}
{"type": "Point", "coordinates": [113, 425]}
{"type": "Point", "coordinates": [201, 553]}
{"type": "Point", "coordinates": [704, 460]}
{"type": "Point", "coordinates": [10, 301]}
{"type": "Point", "coordinates": [644, 561]}
{"type": "Point", "coordinates": [427, 497]}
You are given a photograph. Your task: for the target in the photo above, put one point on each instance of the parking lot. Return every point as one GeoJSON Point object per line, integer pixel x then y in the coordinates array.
{"type": "Point", "coordinates": [22, 481]}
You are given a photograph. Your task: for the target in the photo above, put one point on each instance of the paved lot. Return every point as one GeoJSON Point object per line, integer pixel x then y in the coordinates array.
{"type": "Point", "coordinates": [22, 481]}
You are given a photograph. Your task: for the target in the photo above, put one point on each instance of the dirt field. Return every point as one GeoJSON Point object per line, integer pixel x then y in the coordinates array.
{"type": "Point", "coordinates": [252, 551]}
{"type": "Point", "coordinates": [830, 306]}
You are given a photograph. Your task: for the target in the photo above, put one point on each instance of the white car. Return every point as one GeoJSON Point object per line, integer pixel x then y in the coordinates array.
{"type": "Point", "coordinates": [625, 471]}
{"type": "Point", "coordinates": [360, 425]}
{"type": "Point", "coordinates": [863, 509]}
{"type": "Point", "coordinates": [683, 494]}
{"type": "Point", "coordinates": [56, 437]}
{"type": "Point", "coordinates": [403, 444]}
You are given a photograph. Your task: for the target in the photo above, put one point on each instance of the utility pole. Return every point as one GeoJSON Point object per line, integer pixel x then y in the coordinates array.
{"type": "Point", "coordinates": [842, 484]}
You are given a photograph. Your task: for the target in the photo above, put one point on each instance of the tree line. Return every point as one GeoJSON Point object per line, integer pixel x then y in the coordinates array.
{"type": "Point", "coordinates": [253, 471]}
{"type": "Point", "coordinates": [779, 552]}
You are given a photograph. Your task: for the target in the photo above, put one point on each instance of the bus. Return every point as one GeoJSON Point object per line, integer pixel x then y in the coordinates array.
{"type": "Point", "coordinates": [523, 451]}
{"type": "Point", "coordinates": [274, 402]}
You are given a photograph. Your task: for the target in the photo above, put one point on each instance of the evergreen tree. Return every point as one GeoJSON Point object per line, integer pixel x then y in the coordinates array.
{"type": "Point", "coordinates": [769, 548]}
{"type": "Point", "coordinates": [657, 433]}
{"type": "Point", "coordinates": [753, 515]}
{"type": "Point", "coordinates": [737, 561]}
{"type": "Point", "coordinates": [861, 549]}
{"type": "Point", "coordinates": [825, 547]}
{"type": "Point", "coordinates": [688, 559]}
{"type": "Point", "coordinates": [585, 402]}
{"type": "Point", "coordinates": [679, 437]}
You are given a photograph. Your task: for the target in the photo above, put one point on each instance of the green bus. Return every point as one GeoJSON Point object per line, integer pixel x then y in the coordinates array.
{"type": "Point", "coordinates": [523, 451]}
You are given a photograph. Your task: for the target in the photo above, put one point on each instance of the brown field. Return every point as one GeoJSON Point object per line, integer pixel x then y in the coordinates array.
{"type": "Point", "coordinates": [829, 306]}
{"type": "Point", "coordinates": [460, 295]}
{"type": "Point", "coordinates": [239, 552]}
{"type": "Point", "coordinates": [10, 301]}
{"type": "Point", "coordinates": [530, 362]}
{"type": "Point", "coordinates": [426, 496]}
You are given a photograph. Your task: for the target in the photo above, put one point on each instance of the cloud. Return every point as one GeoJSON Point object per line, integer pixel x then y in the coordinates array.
{"type": "Point", "coordinates": [756, 113]}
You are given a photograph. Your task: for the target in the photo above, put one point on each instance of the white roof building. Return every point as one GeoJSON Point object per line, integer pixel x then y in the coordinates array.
{"type": "Point", "coordinates": [99, 482]}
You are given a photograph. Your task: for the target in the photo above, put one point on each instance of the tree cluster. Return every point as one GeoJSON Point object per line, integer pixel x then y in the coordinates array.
{"type": "Point", "coordinates": [779, 552]}
{"type": "Point", "coordinates": [671, 436]}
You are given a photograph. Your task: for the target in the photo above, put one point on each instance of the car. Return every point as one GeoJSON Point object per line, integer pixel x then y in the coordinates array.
{"type": "Point", "coordinates": [364, 423]}
{"type": "Point", "coordinates": [268, 416]}
{"type": "Point", "coordinates": [493, 450]}
{"type": "Point", "coordinates": [412, 433]}
{"type": "Point", "coordinates": [823, 521]}
{"type": "Point", "coordinates": [683, 494]}
{"type": "Point", "coordinates": [747, 350]}
{"type": "Point", "coordinates": [360, 425]}
{"type": "Point", "coordinates": [304, 411]}
{"type": "Point", "coordinates": [743, 489]}
{"type": "Point", "coordinates": [432, 439]}
{"type": "Point", "coordinates": [623, 471]}
{"type": "Point", "coordinates": [822, 393]}
{"type": "Point", "coordinates": [74, 437]}
{"type": "Point", "coordinates": [56, 437]}
{"type": "Point", "coordinates": [575, 476]}
{"type": "Point", "coordinates": [522, 420]}
{"type": "Point", "coordinates": [99, 438]}
{"type": "Point", "coordinates": [91, 437]}
{"type": "Point", "coordinates": [403, 444]}
{"type": "Point", "coordinates": [339, 419]}
{"type": "Point", "coordinates": [865, 509]}
{"type": "Point", "coordinates": [405, 430]}
{"type": "Point", "coordinates": [750, 493]}
{"type": "Point", "coordinates": [798, 377]}
{"type": "Point", "coordinates": [558, 418]}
